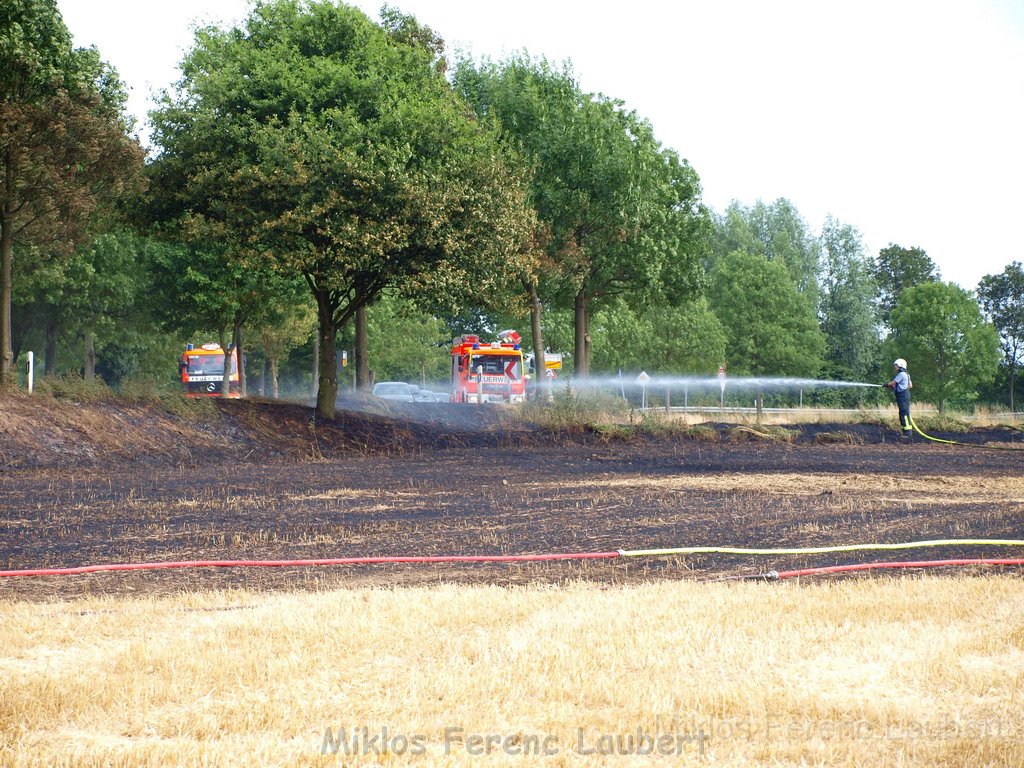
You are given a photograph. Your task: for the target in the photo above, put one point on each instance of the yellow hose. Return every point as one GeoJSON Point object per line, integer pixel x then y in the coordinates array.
{"type": "Point", "coordinates": [823, 550]}
{"type": "Point", "coordinates": [957, 442]}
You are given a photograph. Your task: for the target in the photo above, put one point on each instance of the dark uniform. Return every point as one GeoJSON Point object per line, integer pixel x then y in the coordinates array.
{"type": "Point", "coordinates": [900, 385]}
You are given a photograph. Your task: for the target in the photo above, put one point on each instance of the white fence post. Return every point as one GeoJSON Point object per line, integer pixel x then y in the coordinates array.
{"type": "Point", "coordinates": [31, 371]}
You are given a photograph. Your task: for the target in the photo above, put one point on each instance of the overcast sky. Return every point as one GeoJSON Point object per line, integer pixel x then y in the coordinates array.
{"type": "Point", "coordinates": [904, 119]}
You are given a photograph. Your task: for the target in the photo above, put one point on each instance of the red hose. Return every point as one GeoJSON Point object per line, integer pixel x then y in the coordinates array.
{"type": "Point", "coordinates": [325, 561]}
{"type": "Point", "coordinates": [774, 575]}
{"type": "Point", "coordinates": [873, 566]}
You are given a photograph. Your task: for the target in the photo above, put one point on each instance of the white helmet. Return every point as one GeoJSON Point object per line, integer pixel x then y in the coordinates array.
{"type": "Point", "coordinates": [900, 362]}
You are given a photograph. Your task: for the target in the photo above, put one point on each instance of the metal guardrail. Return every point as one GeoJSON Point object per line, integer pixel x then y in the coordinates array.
{"type": "Point", "coordinates": [797, 410]}
{"type": "Point", "coordinates": [751, 409]}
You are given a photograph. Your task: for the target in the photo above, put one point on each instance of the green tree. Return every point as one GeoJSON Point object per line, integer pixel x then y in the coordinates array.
{"type": "Point", "coordinates": [36, 312]}
{"type": "Point", "coordinates": [687, 338]}
{"type": "Point", "coordinates": [293, 325]}
{"type": "Point", "coordinates": [1002, 298]}
{"type": "Point", "coordinates": [323, 146]}
{"type": "Point", "coordinates": [898, 268]}
{"type": "Point", "coordinates": [408, 344]}
{"type": "Point", "coordinates": [848, 311]}
{"type": "Point", "coordinates": [530, 102]}
{"type": "Point", "coordinates": [775, 231]}
{"type": "Point", "coordinates": [951, 350]}
{"type": "Point", "coordinates": [619, 214]}
{"type": "Point", "coordinates": [200, 288]}
{"type": "Point", "coordinates": [90, 295]}
{"type": "Point", "coordinates": [64, 147]}
{"type": "Point", "coordinates": [101, 291]}
{"type": "Point", "coordinates": [770, 327]}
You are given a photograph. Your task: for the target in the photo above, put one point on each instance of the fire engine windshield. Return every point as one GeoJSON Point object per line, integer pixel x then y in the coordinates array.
{"type": "Point", "coordinates": [498, 365]}
{"type": "Point", "coordinates": [207, 365]}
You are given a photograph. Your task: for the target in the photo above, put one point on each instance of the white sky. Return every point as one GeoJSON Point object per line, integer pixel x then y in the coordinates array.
{"type": "Point", "coordinates": [904, 118]}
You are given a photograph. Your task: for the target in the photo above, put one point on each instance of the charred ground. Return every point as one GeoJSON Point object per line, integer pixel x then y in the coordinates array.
{"type": "Point", "coordinates": [121, 482]}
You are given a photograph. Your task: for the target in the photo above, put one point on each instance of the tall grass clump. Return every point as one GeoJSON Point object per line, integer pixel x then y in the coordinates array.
{"type": "Point", "coordinates": [148, 390]}
{"type": "Point", "coordinates": [942, 422]}
{"type": "Point", "coordinates": [73, 387]}
{"type": "Point", "coordinates": [993, 416]}
{"type": "Point", "coordinates": [660, 424]}
{"type": "Point", "coordinates": [575, 411]}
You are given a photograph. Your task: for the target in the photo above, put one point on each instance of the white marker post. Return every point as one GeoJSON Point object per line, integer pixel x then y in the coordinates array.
{"type": "Point", "coordinates": [721, 384]}
{"type": "Point", "coordinates": [31, 371]}
{"type": "Point", "coordinates": [642, 379]}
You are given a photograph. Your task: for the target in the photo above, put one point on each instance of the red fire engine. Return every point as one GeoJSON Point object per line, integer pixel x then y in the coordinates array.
{"type": "Point", "coordinates": [202, 371]}
{"type": "Point", "coordinates": [488, 373]}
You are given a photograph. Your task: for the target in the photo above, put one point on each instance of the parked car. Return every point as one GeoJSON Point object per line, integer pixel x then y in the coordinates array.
{"type": "Point", "coordinates": [424, 396]}
{"type": "Point", "coordinates": [394, 390]}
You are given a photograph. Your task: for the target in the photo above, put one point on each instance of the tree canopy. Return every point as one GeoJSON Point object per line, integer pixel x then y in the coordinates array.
{"type": "Point", "coordinates": [951, 350]}
{"type": "Point", "coordinates": [1002, 298]}
{"type": "Point", "coordinates": [620, 213]}
{"type": "Point", "coordinates": [849, 317]}
{"type": "Point", "coordinates": [770, 327]}
{"type": "Point", "coordinates": [687, 338]}
{"type": "Point", "coordinates": [898, 268]}
{"type": "Point", "coordinates": [316, 142]}
{"type": "Point", "coordinates": [774, 230]}
{"type": "Point", "coordinates": [312, 160]}
{"type": "Point", "coordinates": [64, 144]}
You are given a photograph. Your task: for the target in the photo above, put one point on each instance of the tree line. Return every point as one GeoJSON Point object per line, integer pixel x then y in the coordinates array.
{"type": "Point", "coordinates": [321, 181]}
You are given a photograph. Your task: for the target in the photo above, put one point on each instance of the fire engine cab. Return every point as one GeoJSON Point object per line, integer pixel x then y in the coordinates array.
{"type": "Point", "coordinates": [202, 371]}
{"type": "Point", "coordinates": [488, 373]}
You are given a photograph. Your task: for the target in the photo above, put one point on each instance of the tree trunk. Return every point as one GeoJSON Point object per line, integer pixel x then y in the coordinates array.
{"type": "Point", "coordinates": [541, 386]}
{"type": "Point", "coordinates": [225, 380]}
{"type": "Point", "coordinates": [50, 352]}
{"type": "Point", "coordinates": [316, 357]}
{"type": "Point", "coordinates": [327, 389]}
{"type": "Point", "coordinates": [273, 378]}
{"type": "Point", "coordinates": [1013, 384]}
{"type": "Point", "coordinates": [362, 351]}
{"type": "Point", "coordinates": [581, 346]}
{"type": "Point", "coordinates": [6, 256]}
{"type": "Point", "coordinates": [240, 354]}
{"type": "Point", "coordinates": [89, 367]}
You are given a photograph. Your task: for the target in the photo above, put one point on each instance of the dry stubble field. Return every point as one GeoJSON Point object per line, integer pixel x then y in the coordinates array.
{"type": "Point", "coordinates": [495, 664]}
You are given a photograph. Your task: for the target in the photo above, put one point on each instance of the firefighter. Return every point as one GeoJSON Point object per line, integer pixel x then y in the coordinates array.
{"type": "Point", "coordinates": [901, 386]}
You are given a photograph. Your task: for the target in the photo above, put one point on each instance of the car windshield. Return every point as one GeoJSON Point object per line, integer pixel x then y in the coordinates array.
{"type": "Point", "coordinates": [392, 389]}
{"type": "Point", "coordinates": [497, 365]}
{"type": "Point", "coordinates": [207, 365]}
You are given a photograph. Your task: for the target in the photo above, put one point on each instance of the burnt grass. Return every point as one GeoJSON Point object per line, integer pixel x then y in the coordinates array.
{"type": "Point", "coordinates": [267, 481]}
